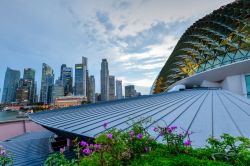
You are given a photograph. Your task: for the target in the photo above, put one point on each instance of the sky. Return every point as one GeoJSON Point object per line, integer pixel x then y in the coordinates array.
{"type": "Point", "coordinates": [136, 36]}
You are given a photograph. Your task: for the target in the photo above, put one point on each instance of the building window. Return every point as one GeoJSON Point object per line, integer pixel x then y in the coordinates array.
{"type": "Point", "coordinates": [247, 77]}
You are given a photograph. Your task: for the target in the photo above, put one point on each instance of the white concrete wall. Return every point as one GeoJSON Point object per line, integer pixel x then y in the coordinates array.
{"type": "Point", "coordinates": [206, 83]}
{"type": "Point", "coordinates": [234, 84]}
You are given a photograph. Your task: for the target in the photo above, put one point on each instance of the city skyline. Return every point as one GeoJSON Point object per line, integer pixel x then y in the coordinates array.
{"type": "Point", "coordinates": [25, 91]}
{"type": "Point", "coordinates": [134, 53]}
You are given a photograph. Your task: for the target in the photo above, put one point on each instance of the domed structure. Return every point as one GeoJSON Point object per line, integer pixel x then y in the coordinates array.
{"type": "Point", "coordinates": [216, 40]}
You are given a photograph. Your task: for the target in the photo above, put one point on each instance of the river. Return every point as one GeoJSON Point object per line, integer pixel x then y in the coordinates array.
{"type": "Point", "coordinates": [8, 115]}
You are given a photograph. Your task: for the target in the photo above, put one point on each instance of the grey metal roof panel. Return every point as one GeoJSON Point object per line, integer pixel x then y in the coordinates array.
{"type": "Point", "coordinates": [29, 149]}
{"type": "Point", "coordinates": [206, 112]}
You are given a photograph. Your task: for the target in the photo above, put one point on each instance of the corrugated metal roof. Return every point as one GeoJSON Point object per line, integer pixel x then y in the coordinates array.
{"type": "Point", "coordinates": [204, 112]}
{"type": "Point", "coordinates": [29, 149]}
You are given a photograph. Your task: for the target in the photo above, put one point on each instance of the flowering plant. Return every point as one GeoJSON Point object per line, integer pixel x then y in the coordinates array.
{"type": "Point", "coordinates": [5, 157]}
{"type": "Point", "coordinates": [176, 141]}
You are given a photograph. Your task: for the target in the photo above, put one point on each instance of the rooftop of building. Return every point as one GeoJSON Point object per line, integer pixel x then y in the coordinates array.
{"type": "Point", "coordinates": [206, 112]}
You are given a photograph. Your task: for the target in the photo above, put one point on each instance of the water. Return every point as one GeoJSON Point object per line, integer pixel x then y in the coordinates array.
{"type": "Point", "coordinates": [8, 115]}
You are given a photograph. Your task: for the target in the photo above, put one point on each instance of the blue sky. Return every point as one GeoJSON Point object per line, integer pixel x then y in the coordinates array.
{"type": "Point", "coordinates": [136, 36]}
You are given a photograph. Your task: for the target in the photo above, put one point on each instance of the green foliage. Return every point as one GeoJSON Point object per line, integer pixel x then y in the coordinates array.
{"type": "Point", "coordinates": [135, 147]}
{"type": "Point", "coordinates": [5, 157]}
{"type": "Point", "coordinates": [57, 159]}
{"type": "Point", "coordinates": [231, 149]}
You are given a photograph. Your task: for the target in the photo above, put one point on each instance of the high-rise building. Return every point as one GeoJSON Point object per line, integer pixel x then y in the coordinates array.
{"type": "Point", "coordinates": [104, 80]}
{"type": "Point", "coordinates": [61, 72]}
{"type": "Point", "coordinates": [91, 89]}
{"type": "Point", "coordinates": [46, 83]}
{"type": "Point", "coordinates": [119, 89]}
{"type": "Point", "coordinates": [23, 91]}
{"type": "Point", "coordinates": [85, 75]}
{"type": "Point", "coordinates": [57, 90]}
{"type": "Point", "coordinates": [49, 86]}
{"type": "Point", "coordinates": [98, 97]}
{"type": "Point", "coordinates": [78, 89]}
{"type": "Point", "coordinates": [81, 78]}
{"type": "Point", "coordinates": [10, 85]}
{"type": "Point", "coordinates": [87, 85]}
{"type": "Point", "coordinates": [111, 87]}
{"type": "Point", "coordinates": [29, 74]}
{"type": "Point", "coordinates": [67, 80]}
{"type": "Point", "coordinates": [130, 91]}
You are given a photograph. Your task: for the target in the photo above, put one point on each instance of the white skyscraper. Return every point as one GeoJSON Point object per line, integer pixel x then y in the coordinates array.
{"type": "Point", "coordinates": [119, 89]}
{"type": "Point", "coordinates": [104, 80]}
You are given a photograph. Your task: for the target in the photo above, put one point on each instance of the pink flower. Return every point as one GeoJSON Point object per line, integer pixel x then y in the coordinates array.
{"type": "Point", "coordinates": [105, 124]}
{"type": "Point", "coordinates": [139, 136]}
{"type": "Point", "coordinates": [155, 129]}
{"type": "Point", "coordinates": [86, 151]}
{"type": "Point", "coordinates": [168, 129]}
{"type": "Point", "coordinates": [83, 143]}
{"type": "Point", "coordinates": [109, 135]}
{"type": "Point", "coordinates": [173, 127]}
{"type": "Point", "coordinates": [62, 150]}
{"type": "Point", "coordinates": [187, 142]}
{"type": "Point", "coordinates": [131, 133]}
{"type": "Point", "coordinates": [97, 147]}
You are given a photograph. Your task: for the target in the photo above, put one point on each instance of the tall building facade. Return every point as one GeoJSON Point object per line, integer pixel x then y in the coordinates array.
{"type": "Point", "coordinates": [85, 75]}
{"type": "Point", "coordinates": [119, 89]}
{"type": "Point", "coordinates": [62, 67]}
{"type": "Point", "coordinates": [29, 76]}
{"type": "Point", "coordinates": [46, 83]}
{"type": "Point", "coordinates": [111, 87]}
{"type": "Point", "coordinates": [81, 78]}
{"type": "Point", "coordinates": [23, 91]}
{"type": "Point", "coordinates": [57, 90]}
{"type": "Point", "coordinates": [10, 85]}
{"type": "Point", "coordinates": [130, 91]}
{"type": "Point", "coordinates": [104, 80]}
{"type": "Point", "coordinates": [91, 89]}
{"type": "Point", "coordinates": [78, 89]}
{"type": "Point", "coordinates": [67, 80]}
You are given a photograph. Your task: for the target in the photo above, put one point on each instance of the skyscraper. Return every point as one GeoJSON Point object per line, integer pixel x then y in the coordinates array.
{"type": "Point", "coordinates": [104, 80]}
{"type": "Point", "coordinates": [23, 91]}
{"type": "Point", "coordinates": [130, 91]}
{"type": "Point", "coordinates": [85, 75]}
{"type": "Point", "coordinates": [119, 89]}
{"type": "Point", "coordinates": [111, 87]}
{"type": "Point", "coordinates": [67, 80]}
{"type": "Point", "coordinates": [62, 67]}
{"type": "Point", "coordinates": [29, 76]}
{"type": "Point", "coordinates": [49, 86]}
{"type": "Point", "coordinates": [78, 80]}
{"type": "Point", "coordinates": [46, 83]}
{"type": "Point", "coordinates": [10, 85]}
{"type": "Point", "coordinates": [91, 89]}
{"type": "Point", "coordinates": [57, 90]}
{"type": "Point", "coordinates": [81, 78]}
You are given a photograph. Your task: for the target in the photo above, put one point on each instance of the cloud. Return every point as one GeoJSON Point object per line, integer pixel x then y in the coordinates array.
{"type": "Point", "coordinates": [103, 19]}
{"type": "Point", "coordinates": [122, 4]}
{"type": "Point", "coordinates": [136, 37]}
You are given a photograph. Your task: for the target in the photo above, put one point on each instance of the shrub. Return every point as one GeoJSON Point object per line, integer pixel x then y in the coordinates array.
{"type": "Point", "coordinates": [231, 149]}
{"type": "Point", "coordinates": [135, 147]}
{"type": "Point", "coordinates": [5, 157]}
